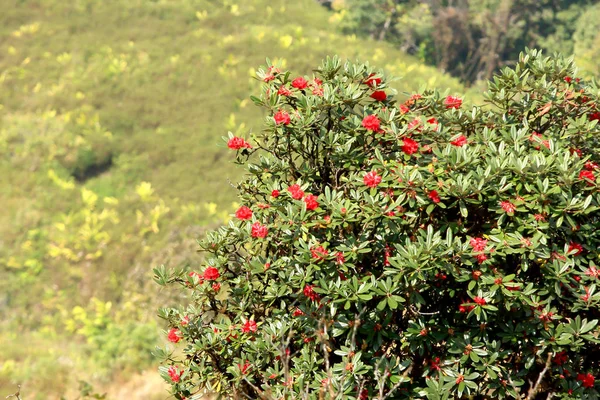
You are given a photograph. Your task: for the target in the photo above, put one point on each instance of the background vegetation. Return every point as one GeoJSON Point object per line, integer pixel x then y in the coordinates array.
{"type": "Point", "coordinates": [111, 162]}
{"type": "Point", "coordinates": [472, 39]}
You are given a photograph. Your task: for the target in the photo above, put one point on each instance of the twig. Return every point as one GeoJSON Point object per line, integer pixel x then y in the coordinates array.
{"type": "Point", "coordinates": [533, 391]}
{"type": "Point", "coordinates": [17, 394]}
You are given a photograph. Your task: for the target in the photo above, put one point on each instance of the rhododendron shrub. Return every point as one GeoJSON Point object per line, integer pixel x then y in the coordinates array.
{"type": "Point", "coordinates": [391, 249]}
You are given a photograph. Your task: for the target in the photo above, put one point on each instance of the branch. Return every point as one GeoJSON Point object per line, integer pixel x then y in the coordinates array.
{"type": "Point", "coordinates": [533, 391]}
{"type": "Point", "coordinates": [17, 394]}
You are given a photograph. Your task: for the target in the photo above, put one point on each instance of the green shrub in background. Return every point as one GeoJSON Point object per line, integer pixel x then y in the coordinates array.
{"type": "Point", "coordinates": [416, 250]}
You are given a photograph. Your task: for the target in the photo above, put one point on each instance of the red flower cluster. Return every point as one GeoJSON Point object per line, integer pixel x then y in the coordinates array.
{"type": "Point", "coordinates": [459, 141]}
{"type": "Point", "coordinates": [259, 230]}
{"type": "Point", "coordinates": [211, 274]}
{"type": "Point", "coordinates": [588, 176]}
{"type": "Point", "coordinates": [560, 358]}
{"type": "Point", "coordinates": [174, 335]}
{"type": "Point", "coordinates": [409, 146]}
{"type": "Point", "coordinates": [478, 244]}
{"type": "Point", "coordinates": [453, 102]}
{"type": "Point", "coordinates": [587, 380]}
{"type": "Point", "coordinates": [310, 293]}
{"type": "Point", "coordinates": [311, 202]}
{"type": "Point", "coordinates": [319, 253]}
{"type": "Point", "coordinates": [284, 91]}
{"type": "Point", "coordinates": [508, 207]}
{"type": "Point", "coordinates": [379, 95]}
{"type": "Point", "coordinates": [300, 83]}
{"type": "Point", "coordinates": [275, 193]}
{"type": "Point", "coordinates": [282, 117]}
{"type": "Point", "coordinates": [371, 179]}
{"type": "Point", "coordinates": [174, 373]}
{"type": "Point", "coordinates": [373, 82]}
{"type": "Point", "coordinates": [576, 247]}
{"type": "Point", "coordinates": [296, 191]}
{"type": "Point", "coordinates": [236, 143]}
{"type": "Point", "coordinates": [480, 300]}
{"type": "Point", "coordinates": [249, 326]}
{"type": "Point", "coordinates": [244, 368]}
{"type": "Point", "coordinates": [433, 195]}
{"type": "Point", "coordinates": [243, 213]}
{"type": "Point", "coordinates": [371, 123]}
{"type": "Point", "coordinates": [465, 308]}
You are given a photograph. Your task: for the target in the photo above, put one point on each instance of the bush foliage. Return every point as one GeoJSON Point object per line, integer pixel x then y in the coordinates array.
{"type": "Point", "coordinates": [423, 249]}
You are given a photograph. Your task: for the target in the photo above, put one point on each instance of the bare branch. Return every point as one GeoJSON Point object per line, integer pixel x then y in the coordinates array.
{"type": "Point", "coordinates": [533, 391]}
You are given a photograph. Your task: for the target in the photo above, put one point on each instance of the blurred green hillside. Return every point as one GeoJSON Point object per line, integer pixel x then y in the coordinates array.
{"type": "Point", "coordinates": [112, 162]}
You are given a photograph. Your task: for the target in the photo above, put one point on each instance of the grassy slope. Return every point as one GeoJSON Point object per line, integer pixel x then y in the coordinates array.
{"type": "Point", "coordinates": [167, 79]}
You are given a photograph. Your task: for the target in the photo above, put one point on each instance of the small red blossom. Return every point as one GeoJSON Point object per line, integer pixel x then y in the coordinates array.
{"type": "Point", "coordinates": [310, 293]}
{"type": "Point", "coordinates": [568, 79]}
{"type": "Point", "coordinates": [465, 308]}
{"type": "Point", "coordinates": [371, 179]}
{"type": "Point", "coordinates": [282, 117]}
{"type": "Point", "coordinates": [284, 91]}
{"type": "Point", "coordinates": [433, 122]}
{"type": "Point", "coordinates": [244, 368]}
{"type": "Point", "coordinates": [371, 123]}
{"type": "Point", "coordinates": [593, 272]}
{"type": "Point", "coordinates": [319, 253]}
{"type": "Point", "coordinates": [435, 364]}
{"type": "Point", "coordinates": [478, 244]}
{"type": "Point", "coordinates": [480, 300]}
{"type": "Point", "coordinates": [403, 109]}
{"type": "Point", "coordinates": [373, 82]}
{"type": "Point", "coordinates": [414, 124]}
{"type": "Point", "coordinates": [275, 193]}
{"type": "Point", "coordinates": [311, 202]}
{"type": "Point", "coordinates": [595, 116]}
{"type": "Point", "coordinates": [409, 146]}
{"type": "Point", "coordinates": [560, 358]}
{"type": "Point", "coordinates": [259, 230]}
{"type": "Point", "coordinates": [249, 326]}
{"type": "Point", "coordinates": [243, 213]}
{"type": "Point", "coordinates": [423, 332]}
{"type": "Point", "coordinates": [174, 335]}
{"type": "Point", "coordinates": [481, 258]}
{"type": "Point", "coordinates": [300, 83]}
{"type": "Point", "coordinates": [236, 143]}
{"type": "Point", "coordinates": [576, 247]}
{"type": "Point", "coordinates": [498, 281]}
{"type": "Point", "coordinates": [216, 286]}
{"type": "Point", "coordinates": [211, 274]}
{"type": "Point", "coordinates": [296, 192]}
{"type": "Point", "coordinates": [453, 102]}
{"type": "Point", "coordinates": [590, 165]}
{"type": "Point", "coordinates": [185, 320]}
{"type": "Point", "coordinates": [588, 176]}
{"type": "Point", "coordinates": [459, 379]}
{"type": "Point", "coordinates": [433, 195]}
{"type": "Point", "coordinates": [268, 78]}
{"type": "Point", "coordinates": [297, 312]}
{"type": "Point", "coordinates": [587, 380]}
{"type": "Point", "coordinates": [476, 274]}
{"type": "Point", "coordinates": [379, 95]}
{"type": "Point", "coordinates": [508, 207]}
{"type": "Point", "coordinates": [459, 141]}
{"type": "Point", "coordinates": [339, 258]}
{"type": "Point", "coordinates": [538, 136]}
{"type": "Point", "coordinates": [540, 217]}
{"type": "Point", "coordinates": [174, 373]}
{"type": "Point", "coordinates": [196, 275]}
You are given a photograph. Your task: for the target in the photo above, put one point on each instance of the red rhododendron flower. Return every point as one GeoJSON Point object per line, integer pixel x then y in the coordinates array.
{"type": "Point", "coordinates": [284, 91]}
{"type": "Point", "coordinates": [174, 335]}
{"type": "Point", "coordinates": [593, 272]}
{"type": "Point", "coordinates": [409, 146]}
{"type": "Point", "coordinates": [508, 206]}
{"type": "Point", "coordinates": [480, 300]}
{"type": "Point", "coordinates": [481, 258]}
{"type": "Point", "coordinates": [403, 109]}
{"type": "Point", "coordinates": [590, 165]}
{"type": "Point", "coordinates": [249, 326]}
{"type": "Point", "coordinates": [243, 213]}
{"type": "Point", "coordinates": [587, 380]}
{"type": "Point", "coordinates": [371, 81]}
{"type": "Point", "coordinates": [371, 122]}
{"type": "Point", "coordinates": [311, 202]}
{"type": "Point", "coordinates": [319, 253]}
{"type": "Point", "coordinates": [453, 102]}
{"type": "Point", "coordinates": [259, 230]}
{"type": "Point", "coordinates": [216, 286]}
{"type": "Point", "coordinates": [588, 176]}
{"type": "Point", "coordinates": [211, 274]}
{"type": "Point", "coordinates": [339, 258]}
{"type": "Point", "coordinates": [236, 143]}
{"type": "Point", "coordinates": [560, 358]}
{"type": "Point", "coordinates": [282, 117]}
{"type": "Point", "coordinates": [300, 83]}
{"type": "Point", "coordinates": [310, 293]}
{"type": "Point", "coordinates": [244, 368]}
{"type": "Point", "coordinates": [371, 179]}
{"type": "Point", "coordinates": [459, 141]}
{"type": "Point", "coordinates": [576, 247]}
{"type": "Point", "coordinates": [275, 193]}
{"type": "Point", "coordinates": [478, 244]}
{"type": "Point", "coordinates": [433, 195]}
{"type": "Point", "coordinates": [297, 312]}
{"type": "Point", "coordinates": [379, 95]}
{"type": "Point", "coordinates": [174, 373]}
{"type": "Point", "coordinates": [296, 192]}
{"type": "Point", "coordinates": [594, 116]}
